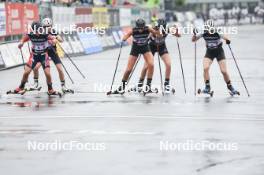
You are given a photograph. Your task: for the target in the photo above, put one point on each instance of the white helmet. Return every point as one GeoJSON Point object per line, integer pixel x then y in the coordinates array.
{"type": "Point", "coordinates": [47, 22]}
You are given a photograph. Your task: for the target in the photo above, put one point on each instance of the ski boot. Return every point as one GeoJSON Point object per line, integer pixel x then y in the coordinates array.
{"type": "Point", "coordinates": [120, 90]}
{"type": "Point", "coordinates": [206, 90]}
{"type": "Point", "coordinates": [54, 93]}
{"type": "Point", "coordinates": [168, 89]}
{"type": "Point", "coordinates": [232, 91]}
{"type": "Point", "coordinates": [34, 87]}
{"type": "Point", "coordinates": [138, 88]}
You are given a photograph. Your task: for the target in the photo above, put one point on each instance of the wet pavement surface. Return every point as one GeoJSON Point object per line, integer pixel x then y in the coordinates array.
{"type": "Point", "coordinates": [131, 127]}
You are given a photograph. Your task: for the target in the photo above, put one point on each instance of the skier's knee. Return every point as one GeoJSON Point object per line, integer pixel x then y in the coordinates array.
{"type": "Point", "coordinates": [206, 69]}
{"type": "Point", "coordinates": [150, 65]}
{"type": "Point", "coordinates": [224, 72]}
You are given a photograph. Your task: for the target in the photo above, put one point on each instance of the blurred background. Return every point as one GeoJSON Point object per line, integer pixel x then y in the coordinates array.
{"type": "Point", "coordinates": [117, 16]}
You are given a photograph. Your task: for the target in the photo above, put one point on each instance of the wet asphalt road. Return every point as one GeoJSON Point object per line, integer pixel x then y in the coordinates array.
{"type": "Point", "coordinates": [131, 127]}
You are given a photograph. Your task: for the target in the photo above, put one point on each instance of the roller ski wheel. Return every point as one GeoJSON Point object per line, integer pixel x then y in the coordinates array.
{"type": "Point", "coordinates": [67, 91]}
{"type": "Point", "coordinates": [151, 91]}
{"type": "Point", "coordinates": [54, 93]}
{"type": "Point", "coordinates": [135, 89]}
{"type": "Point", "coordinates": [169, 91]}
{"type": "Point", "coordinates": [233, 93]}
{"type": "Point", "coordinates": [16, 91]}
{"type": "Point", "coordinates": [211, 93]}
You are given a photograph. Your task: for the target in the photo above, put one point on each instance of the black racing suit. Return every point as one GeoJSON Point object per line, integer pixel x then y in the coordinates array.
{"type": "Point", "coordinates": [214, 46]}
{"type": "Point", "coordinates": [140, 41]}
{"type": "Point", "coordinates": [158, 45]}
{"type": "Point", "coordinates": [39, 50]}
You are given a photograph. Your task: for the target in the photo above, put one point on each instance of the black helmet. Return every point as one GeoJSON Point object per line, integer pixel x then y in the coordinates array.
{"type": "Point", "coordinates": [35, 25]}
{"type": "Point", "coordinates": [161, 22]}
{"type": "Point", "coordinates": [140, 23]}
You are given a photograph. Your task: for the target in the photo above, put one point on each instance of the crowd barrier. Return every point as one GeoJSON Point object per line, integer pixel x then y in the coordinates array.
{"type": "Point", "coordinates": [10, 55]}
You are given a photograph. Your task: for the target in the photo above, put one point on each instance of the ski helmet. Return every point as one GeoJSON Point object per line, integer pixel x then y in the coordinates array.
{"type": "Point", "coordinates": [140, 23]}
{"type": "Point", "coordinates": [161, 22]}
{"type": "Point", "coordinates": [36, 25]}
{"type": "Point", "coordinates": [47, 22]}
{"type": "Point", "coordinates": [209, 25]}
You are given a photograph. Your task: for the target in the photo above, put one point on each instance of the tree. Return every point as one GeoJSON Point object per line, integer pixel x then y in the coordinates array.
{"type": "Point", "coordinates": [180, 2]}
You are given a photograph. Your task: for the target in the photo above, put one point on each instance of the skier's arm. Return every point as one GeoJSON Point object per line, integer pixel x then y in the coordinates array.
{"type": "Point", "coordinates": [175, 31]}
{"type": "Point", "coordinates": [195, 36]}
{"type": "Point", "coordinates": [22, 41]}
{"type": "Point", "coordinates": [224, 37]}
{"type": "Point", "coordinates": [52, 39]}
{"type": "Point", "coordinates": [59, 38]}
{"type": "Point", "coordinates": [155, 32]}
{"type": "Point", "coordinates": [127, 35]}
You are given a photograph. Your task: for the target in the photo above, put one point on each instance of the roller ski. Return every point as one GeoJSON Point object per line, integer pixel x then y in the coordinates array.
{"type": "Point", "coordinates": [206, 91]}
{"type": "Point", "coordinates": [120, 91]}
{"type": "Point", "coordinates": [17, 91]}
{"type": "Point", "coordinates": [54, 93]}
{"type": "Point", "coordinates": [232, 91]}
{"type": "Point", "coordinates": [137, 88]}
{"type": "Point", "coordinates": [148, 90]}
{"type": "Point", "coordinates": [66, 90]}
{"type": "Point", "coordinates": [34, 87]}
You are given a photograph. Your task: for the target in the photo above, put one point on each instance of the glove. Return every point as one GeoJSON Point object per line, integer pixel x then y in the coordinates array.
{"type": "Point", "coordinates": [20, 45]}
{"type": "Point", "coordinates": [228, 41]}
{"type": "Point", "coordinates": [195, 31]}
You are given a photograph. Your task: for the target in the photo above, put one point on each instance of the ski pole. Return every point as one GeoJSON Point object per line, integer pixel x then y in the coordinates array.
{"type": "Point", "coordinates": [117, 62]}
{"type": "Point", "coordinates": [29, 50]}
{"type": "Point", "coordinates": [195, 76]}
{"type": "Point", "coordinates": [133, 70]}
{"type": "Point", "coordinates": [63, 65]}
{"type": "Point", "coordinates": [195, 63]}
{"type": "Point", "coordinates": [183, 77]}
{"type": "Point", "coordinates": [72, 61]}
{"type": "Point", "coordinates": [239, 70]}
{"type": "Point", "coordinates": [22, 56]}
{"type": "Point", "coordinates": [161, 79]}
{"type": "Point", "coordinates": [67, 72]}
